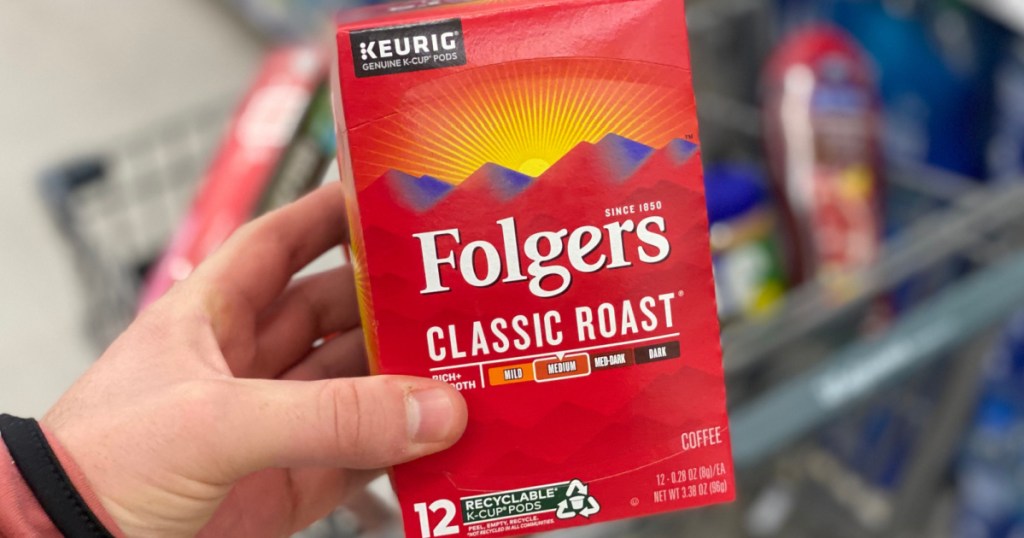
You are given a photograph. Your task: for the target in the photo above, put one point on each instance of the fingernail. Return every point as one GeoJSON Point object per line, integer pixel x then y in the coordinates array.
{"type": "Point", "coordinates": [430, 415]}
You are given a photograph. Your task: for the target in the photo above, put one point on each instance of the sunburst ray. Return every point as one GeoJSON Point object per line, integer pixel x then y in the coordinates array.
{"type": "Point", "coordinates": [524, 116]}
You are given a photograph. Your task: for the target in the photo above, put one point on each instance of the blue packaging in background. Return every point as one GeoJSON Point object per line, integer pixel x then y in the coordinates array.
{"type": "Point", "coordinates": [749, 277]}
{"type": "Point", "coordinates": [935, 62]}
{"type": "Point", "coordinates": [990, 474]}
{"type": "Point", "coordinates": [1006, 149]}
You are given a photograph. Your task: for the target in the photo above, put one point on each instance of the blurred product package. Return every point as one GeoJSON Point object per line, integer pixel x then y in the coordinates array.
{"type": "Point", "coordinates": [990, 474]}
{"type": "Point", "coordinates": [935, 63]}
{"type": "Point", "coordinates": [278, 145]}
{"type": "Point", "coordinates": [1006, 151]}
{"type": "Point", "coordinates": [529, 224]}
{"type": "Point", "coordinates": [821, 130]}
{"type": "Point", "coordinates": [749, 277]}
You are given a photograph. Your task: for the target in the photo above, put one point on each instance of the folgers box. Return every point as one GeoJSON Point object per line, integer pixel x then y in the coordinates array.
{"type": "Point", "coordinates": [528, 224]}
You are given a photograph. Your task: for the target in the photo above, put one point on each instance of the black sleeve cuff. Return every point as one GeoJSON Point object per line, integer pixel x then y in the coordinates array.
{"type": "Point", "coordinates": [47, 480]}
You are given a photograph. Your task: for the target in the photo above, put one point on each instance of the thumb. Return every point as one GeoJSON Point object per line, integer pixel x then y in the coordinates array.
{"type": "Point", "coordinates": [357, 423]}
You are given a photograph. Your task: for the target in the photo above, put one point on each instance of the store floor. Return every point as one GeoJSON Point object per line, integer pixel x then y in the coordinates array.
{"type": "Point", "coordinates": [74, 76]}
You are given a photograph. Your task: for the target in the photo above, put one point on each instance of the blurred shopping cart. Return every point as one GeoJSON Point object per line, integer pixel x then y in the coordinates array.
{"type": "Point", "coordinates": [117, 207]}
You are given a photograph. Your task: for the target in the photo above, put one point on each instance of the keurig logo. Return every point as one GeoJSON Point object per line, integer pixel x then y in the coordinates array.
{"type": "Point", "coordinates": [401, 49]}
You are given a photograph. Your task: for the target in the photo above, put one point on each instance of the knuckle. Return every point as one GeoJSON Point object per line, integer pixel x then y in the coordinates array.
{"type": "Point", "coordinates": [364, 439]}
{"type": "Point", "coordinates": [263, 239]}
{"type": "Point", "coordinates": [333, 406]}
{"type": "Point", "coordinates": [203, 394]}
{"type": "Point", "coordinates": [159, 330]}
{"type": "Point", "coordinates": [172, 312]}
{"type": "Point", "coordinates": [201, 405]}
{"type": "Point", "coordinates": [250, 231]}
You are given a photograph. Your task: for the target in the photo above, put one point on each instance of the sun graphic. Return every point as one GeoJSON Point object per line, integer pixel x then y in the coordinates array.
{"type": "Point", "coordinates": [524, 116]}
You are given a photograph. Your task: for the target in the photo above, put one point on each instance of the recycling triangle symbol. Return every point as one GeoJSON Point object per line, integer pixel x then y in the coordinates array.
{"type": "Point", "coordinates": [577, 502]}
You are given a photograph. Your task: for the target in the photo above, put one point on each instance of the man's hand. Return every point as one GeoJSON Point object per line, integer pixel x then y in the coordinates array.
{"type": "Point", "coordinates": [215, 413]}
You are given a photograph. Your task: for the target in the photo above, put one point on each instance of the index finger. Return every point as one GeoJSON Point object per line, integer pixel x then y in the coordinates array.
{"type": "Point", "coordinates": [256, 263]}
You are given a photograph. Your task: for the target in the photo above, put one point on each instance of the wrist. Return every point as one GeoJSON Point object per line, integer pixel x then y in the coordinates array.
{"type": "Point", "coordinates": [103, 510]}
{"type": "Point", "coordinates": [56, 483]}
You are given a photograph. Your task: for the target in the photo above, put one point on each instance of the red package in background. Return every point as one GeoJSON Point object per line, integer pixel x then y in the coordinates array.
{"type": "Point", "coordinates": [822, 122]}
{"type": "Point", "coordinates": [261, 136]}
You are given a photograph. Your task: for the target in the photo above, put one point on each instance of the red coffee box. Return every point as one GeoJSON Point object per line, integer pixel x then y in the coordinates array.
{"type": "Point", "coordinates": [528, 224]}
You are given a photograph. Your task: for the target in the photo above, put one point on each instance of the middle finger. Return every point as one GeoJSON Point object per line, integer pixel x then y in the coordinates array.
{"type": "Point", "coordinates": [309, 309]}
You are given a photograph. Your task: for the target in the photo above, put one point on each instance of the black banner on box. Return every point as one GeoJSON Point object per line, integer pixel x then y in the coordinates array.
{"type": "Point", "coordinates": [413, 47]}
{"type": "Point", "coordinates": [658, 352]}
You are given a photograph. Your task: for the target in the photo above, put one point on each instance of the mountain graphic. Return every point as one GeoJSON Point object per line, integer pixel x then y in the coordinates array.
{"type": "Point", "coordinates": [503, 184]}
{"type": "Point", "coordinates": [614, 158]}
{"type": "Point", "coordinates": [622, 155]}
{"type": "Point", "coordinates": [417, 193]}
{"type": "Point", "coordinates": [681, 150]}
